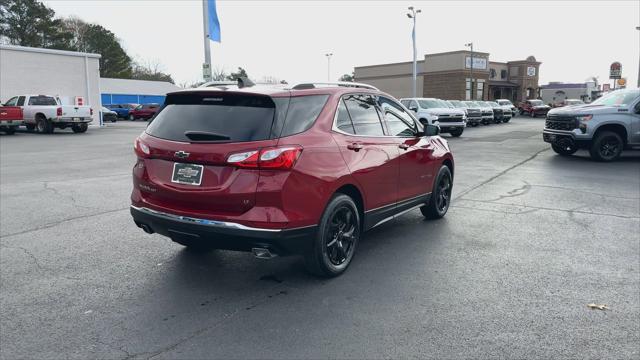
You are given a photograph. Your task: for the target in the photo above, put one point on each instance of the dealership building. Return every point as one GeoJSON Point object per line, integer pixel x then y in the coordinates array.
{"type": "Point", "coordinates": [448, 76]}
{"type": "Point", "coordinates": [74, 77]}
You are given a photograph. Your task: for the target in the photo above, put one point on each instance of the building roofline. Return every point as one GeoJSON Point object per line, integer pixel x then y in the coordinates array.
{"type": "Point", "coordinates": [458, 52]}
{"type": "Point", "coordinates": [387, 64]}
{"type": "Point", "coordinates": [523, 62]}
{"type": "Point", "coordinates": [497, 62]}
{"type": "Point", "coordinates": [49, 51]}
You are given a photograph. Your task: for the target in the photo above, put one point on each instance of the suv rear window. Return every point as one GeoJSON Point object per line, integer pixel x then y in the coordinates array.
{"type": "Point", "coordinates": [234, 117]}
{"type": "Point", "coordinates": [42, 100]}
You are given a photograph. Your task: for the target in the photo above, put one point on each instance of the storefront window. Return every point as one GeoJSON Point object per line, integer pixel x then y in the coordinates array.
{"type": "Point", "coordinates": [467, 93]}
{"type": "Point", "coordinates": [480, 90]}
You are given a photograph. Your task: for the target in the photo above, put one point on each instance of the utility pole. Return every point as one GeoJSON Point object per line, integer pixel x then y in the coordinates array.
{"type": "Point", "coordinates": [206, 68]}
{"type": "Point", "coordinates": [413, 15]}
{"type": "Point", "coordinates": [471, 67]}
{"type": "Point", "coordinates": [328, 55]}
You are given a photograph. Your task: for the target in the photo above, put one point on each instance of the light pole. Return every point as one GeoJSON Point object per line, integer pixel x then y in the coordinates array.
{"type": "Point", "coordinates": [638, 28]}
{"type": "Point", "coordinates": [471, 66]}
{"type": "Point", "coordinates": [328, 55]}
{"type": "Point", "coordinates": [412, 15]}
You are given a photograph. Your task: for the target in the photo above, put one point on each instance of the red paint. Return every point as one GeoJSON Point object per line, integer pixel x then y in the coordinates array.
{"type": "Point", "coordinates": [294, 193]}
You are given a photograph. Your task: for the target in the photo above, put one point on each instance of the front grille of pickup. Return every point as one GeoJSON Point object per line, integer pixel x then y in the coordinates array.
{"type": "Point", "coordinates": [566, 123]}
{"type": "Point", "coordinates": [450, 120]}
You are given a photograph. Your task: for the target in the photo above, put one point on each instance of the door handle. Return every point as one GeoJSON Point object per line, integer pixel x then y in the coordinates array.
{"type": "Point", "coordinates": [355, 147]}
{"type": "Point", "coordinates": [403, 146]}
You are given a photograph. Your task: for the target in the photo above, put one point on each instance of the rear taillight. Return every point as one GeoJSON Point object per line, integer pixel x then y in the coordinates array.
{"type": "Point", "coordinates": [141, 149]}
{"type": "Point", "coordinates": [282, 158]}
{"type": "Point", "coordinates": [59, 111]}
{"type": "Point", "coordinates": [91, 111]}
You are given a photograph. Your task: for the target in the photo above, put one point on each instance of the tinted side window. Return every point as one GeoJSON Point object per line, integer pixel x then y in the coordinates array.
{"type": "Point", "coordinates": [364, 115]}
{"type": "Point", "coordinates": [398, 121]}
{"type": "Point", "coordinates": [20, 101]}
{"type": "Point", "coordinates": [12, 101]}
{"type": "Point", "coordinates": [302, 113]}
{"type": "Point", "coordinates": [343, 120]}
{"type": "Point", "coordinates": [42, 101]}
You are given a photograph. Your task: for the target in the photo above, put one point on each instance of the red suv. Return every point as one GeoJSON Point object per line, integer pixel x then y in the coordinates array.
{"type": "Point", "coordinates": [146, 111]}
{"type": "Point", "coordinates": [279, 171]}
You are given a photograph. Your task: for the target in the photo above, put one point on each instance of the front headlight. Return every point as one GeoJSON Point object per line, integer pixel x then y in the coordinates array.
{"type": "Point", "coordinates": [584, 117]}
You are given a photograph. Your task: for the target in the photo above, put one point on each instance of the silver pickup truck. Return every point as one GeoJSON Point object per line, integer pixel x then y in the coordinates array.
{"type": "Point", "coordinates": [605, 127]}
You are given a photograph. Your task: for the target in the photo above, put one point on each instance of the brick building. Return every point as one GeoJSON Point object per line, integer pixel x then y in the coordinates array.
{"type": "Point", "coordinates": [448, 76]}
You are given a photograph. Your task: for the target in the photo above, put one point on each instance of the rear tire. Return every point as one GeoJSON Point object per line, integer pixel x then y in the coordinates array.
{"type": "Point", "coordinates": [440, 196]}
{"type": "Point", "coordinates": [607, 146]}
{"type": "Point", "coordinates": [43, 125]}
{"type": "Point", "coordinates": [79, 128]}
{"type": "Point", "coordinates": [456, 132]}
{"type": "Point", "coordinates": [336, 240]}
{"type": "Point", "coordinates": [10, 130]}
{"type": "Point", "coordinates": [132, 118]}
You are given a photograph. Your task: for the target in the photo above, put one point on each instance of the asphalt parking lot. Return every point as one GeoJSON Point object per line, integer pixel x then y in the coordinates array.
{"type": "Point", "coordinates": [530, 240]}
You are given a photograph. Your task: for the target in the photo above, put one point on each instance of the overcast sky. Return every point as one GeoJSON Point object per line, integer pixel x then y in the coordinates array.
{"type": "Point", "coordinates": [288, 39]}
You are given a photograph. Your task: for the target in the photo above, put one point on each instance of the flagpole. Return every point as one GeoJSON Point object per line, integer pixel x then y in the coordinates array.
{"type": "Point", "coordinates": [205, 29]}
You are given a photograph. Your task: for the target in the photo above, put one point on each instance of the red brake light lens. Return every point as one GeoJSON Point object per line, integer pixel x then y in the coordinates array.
{"type": "Point", "coordinates": [91, 111]}
{"type": "Point", "coordinates": [59, 111]}
{"type": "Point", "coordinates": [282, 158]}
{"type": "Point", "coordinates": [141, 149]}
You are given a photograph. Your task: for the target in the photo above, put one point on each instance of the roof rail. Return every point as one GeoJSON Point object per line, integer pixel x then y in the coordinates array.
{"type": "Point", "coordinates": [314, 85]}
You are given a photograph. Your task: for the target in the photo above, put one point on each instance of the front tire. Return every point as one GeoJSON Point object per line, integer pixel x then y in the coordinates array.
{"type": "Point", "coordinates": [606, 147]}
{"type": "Point", "coordinates": [456, 132]}
{"type": "Point", "coordinates": [440, 196]}
{"type": "Point", "coordinates": [564, 150]}
{"type": "Point", "coordinates": [132, 118]}
{"type": "Point", "coordinates": [336, 240]}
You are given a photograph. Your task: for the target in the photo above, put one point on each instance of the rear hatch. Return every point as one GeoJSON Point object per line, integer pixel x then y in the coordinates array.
{"type": "Point", "coordinates": [189, 142]}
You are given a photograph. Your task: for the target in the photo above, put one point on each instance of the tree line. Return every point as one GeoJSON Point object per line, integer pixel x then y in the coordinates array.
{"type": "Point", "coordinates": [31, 23]}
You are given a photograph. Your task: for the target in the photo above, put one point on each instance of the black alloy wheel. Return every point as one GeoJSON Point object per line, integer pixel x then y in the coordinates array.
{"type": "Point", "coordinates": [340, 237]}
{"type": "Point", "coordinates": [337, 238]}
{"type": "Point", "coordinates": [441, 195]}
{"type": "Point", "coordinates": [607, 146]}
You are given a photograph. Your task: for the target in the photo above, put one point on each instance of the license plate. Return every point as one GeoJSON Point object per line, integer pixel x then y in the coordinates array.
{"type": "Point", "coordinates": [76, 119]}
{"type": "Point", "coordinates": [189, 174]}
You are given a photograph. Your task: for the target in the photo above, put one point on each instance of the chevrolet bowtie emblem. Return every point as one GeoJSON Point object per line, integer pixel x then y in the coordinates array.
{"type": "Point", "coordinates": [181, 154]}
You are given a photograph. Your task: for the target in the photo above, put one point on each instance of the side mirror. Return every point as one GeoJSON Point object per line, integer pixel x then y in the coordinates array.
{"type": "Point", "coordinates": [414, 109]}
{"type": "Point", "coordinates": [431, 130]}
{"type": "Point", "coordinates": [637, 108]}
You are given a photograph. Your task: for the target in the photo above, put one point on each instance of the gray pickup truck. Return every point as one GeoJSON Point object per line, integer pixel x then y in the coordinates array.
{"type": "Point", "coordinates": [605, 127]}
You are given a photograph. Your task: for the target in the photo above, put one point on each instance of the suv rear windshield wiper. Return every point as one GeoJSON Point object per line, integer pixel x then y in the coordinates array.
{"type": "Point", "coordinates": [205, 136]}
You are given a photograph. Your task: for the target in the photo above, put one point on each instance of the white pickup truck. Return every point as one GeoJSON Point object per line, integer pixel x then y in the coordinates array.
{"type": "Point", "coordinates": [45, 112]}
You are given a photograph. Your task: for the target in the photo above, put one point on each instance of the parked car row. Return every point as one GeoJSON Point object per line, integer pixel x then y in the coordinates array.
{"type": "Point", "coordinates": [134, 111]}
{"type": "Point", "coordinates": [44, 113]}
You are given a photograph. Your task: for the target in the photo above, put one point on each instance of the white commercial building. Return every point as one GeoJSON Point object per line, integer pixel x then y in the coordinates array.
{"type": "Point", "coordinates": [127, 91]}
{"type": "Point", "coordinates": [66, 74]}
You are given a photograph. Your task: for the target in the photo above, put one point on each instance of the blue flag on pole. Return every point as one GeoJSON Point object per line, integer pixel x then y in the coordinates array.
{"type": "Point", "coordinates": [214, 23]}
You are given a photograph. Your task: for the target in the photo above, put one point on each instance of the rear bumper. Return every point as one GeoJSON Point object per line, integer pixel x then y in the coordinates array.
{"type": "Point", "coordinates": [224, 235]}
{"type": "Point", "coordinates": [9, 123]}
{"type": "Point", "coordinates": [71, 120]}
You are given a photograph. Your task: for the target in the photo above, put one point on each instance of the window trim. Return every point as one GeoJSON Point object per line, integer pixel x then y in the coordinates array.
{"type": "Point", "coordinates": [383, 122]}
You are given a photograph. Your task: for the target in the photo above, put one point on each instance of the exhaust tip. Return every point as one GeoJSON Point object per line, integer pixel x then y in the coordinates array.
{"type": "Point", "coordinates": [262, 253]}
{"type": "Point", "coordinates": [147, 228]}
